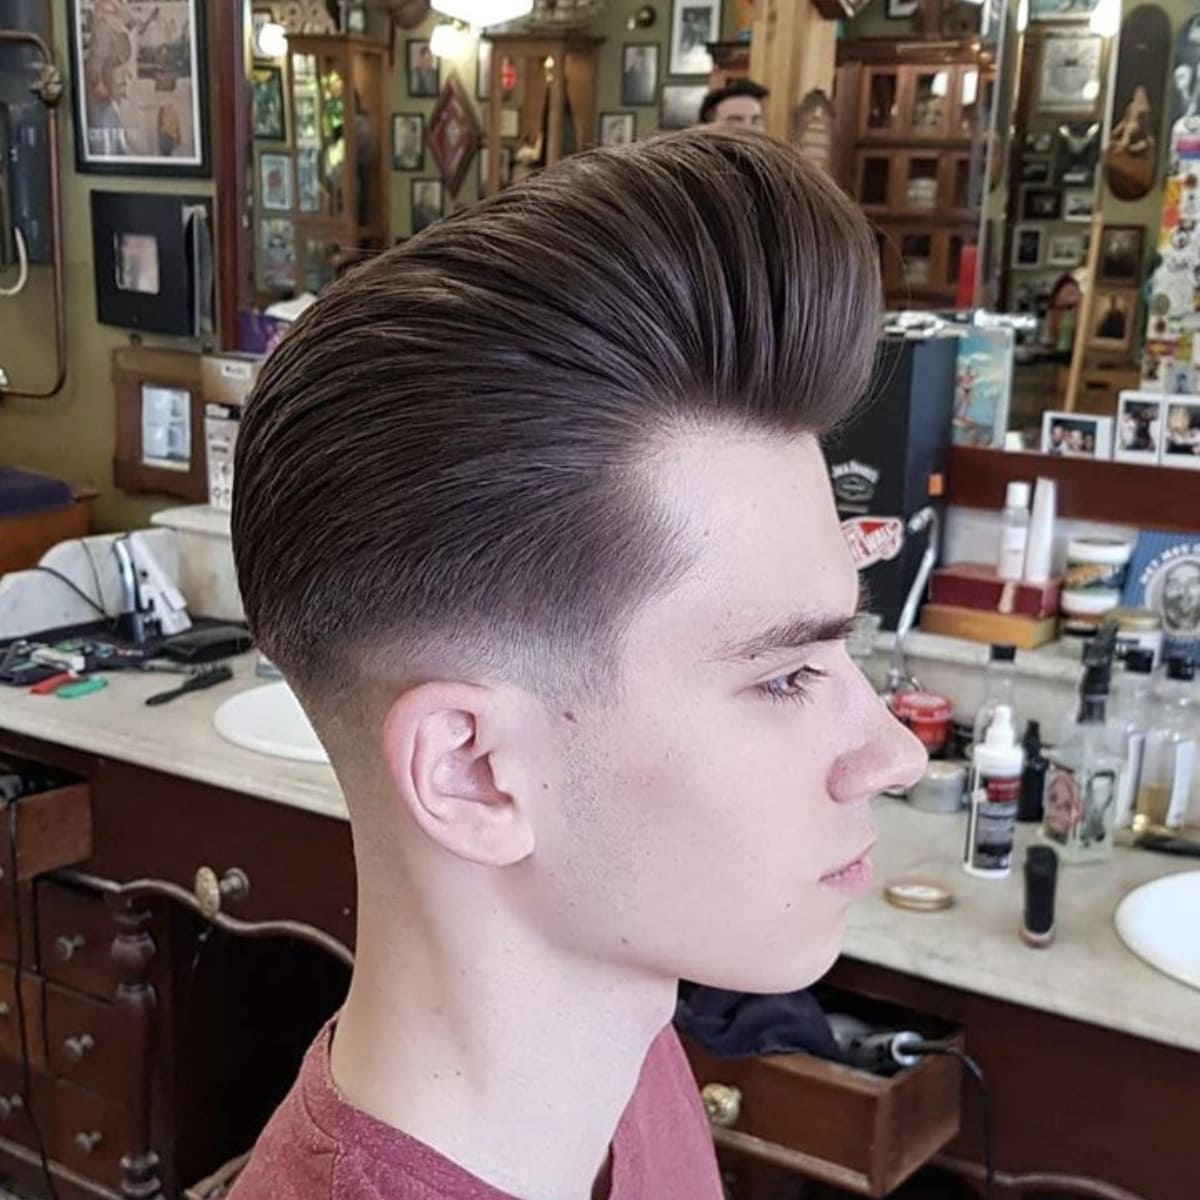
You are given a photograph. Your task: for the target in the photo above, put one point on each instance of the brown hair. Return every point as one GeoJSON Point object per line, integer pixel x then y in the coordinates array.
{"type": "Point", "coordinates": [448, 449]}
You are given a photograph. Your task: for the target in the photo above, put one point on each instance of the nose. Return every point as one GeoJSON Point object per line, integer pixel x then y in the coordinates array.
{"type": "Point", "coordinates": [884, 755]}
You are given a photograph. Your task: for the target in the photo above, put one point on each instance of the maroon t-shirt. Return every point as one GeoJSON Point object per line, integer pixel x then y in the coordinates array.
{"type": "Point", "coordinates": [319, 1147]}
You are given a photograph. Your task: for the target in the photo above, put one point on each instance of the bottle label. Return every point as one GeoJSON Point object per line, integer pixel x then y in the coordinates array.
{"type": "Point", "coordinates": [1131, 774]}
{"type": "Point", "coordinates": [1012, 551]}
{"type": "Point", "coordinates": [1080, 806]}
{"type": "Point", "coordinates": [992, 830]}
{"type": "Point", "coordinates": [1181, 783]}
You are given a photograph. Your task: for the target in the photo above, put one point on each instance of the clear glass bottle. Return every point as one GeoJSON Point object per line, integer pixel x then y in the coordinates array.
{"type": "Point", "coordinates": [1162, 797]}
{"type": "Point", "coordinates": [1081, 788]}
{"type": "Point", "coordinates": [1131, 716]}
{"type": "Point", "coordinates": [999, 683]}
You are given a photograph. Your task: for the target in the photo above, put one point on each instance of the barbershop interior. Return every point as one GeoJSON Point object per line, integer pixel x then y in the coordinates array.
{"type": "Point", "coordinates": [1015, 1013]}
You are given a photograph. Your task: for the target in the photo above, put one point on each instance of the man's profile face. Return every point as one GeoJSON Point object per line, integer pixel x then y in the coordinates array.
{"type": "Point", "coordinates": [739, 110]}
{"type": "Point", "coordinates": [1181, 598]}
{"type": "Point", "coordinates": [706, 807]}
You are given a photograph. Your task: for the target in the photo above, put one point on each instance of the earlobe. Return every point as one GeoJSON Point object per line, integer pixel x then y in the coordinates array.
{"type": "Point", "coordinates": [439, 757]}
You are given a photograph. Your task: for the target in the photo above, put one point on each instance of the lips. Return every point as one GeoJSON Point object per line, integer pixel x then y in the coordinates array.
{"type": "Point", "coordinates": [850, 866]}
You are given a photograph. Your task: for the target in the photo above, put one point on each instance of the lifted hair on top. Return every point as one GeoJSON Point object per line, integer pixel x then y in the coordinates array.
{"type": "Point", "coordinates": [447, 454]}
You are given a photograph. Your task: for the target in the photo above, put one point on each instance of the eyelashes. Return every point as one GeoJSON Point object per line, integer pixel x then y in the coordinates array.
{"type": "Point", "coordinates": [793, 688]}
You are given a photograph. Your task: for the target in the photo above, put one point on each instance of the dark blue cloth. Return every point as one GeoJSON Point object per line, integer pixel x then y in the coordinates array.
{"type": "Point", "coordinates": [741, 1025]}
{"type": "Point", "coordinates": [23, 493]}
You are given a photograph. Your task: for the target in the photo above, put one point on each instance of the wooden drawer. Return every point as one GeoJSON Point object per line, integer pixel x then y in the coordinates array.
{"type": "Point", "coordinates": [90, 1134]}
{"type": "Point", "coordinates": [826, 1121]}
{"type": "Point", "coordinates": [51, 820]}
{"type": "Point", "coordinates": [82, 1044]}
{"type": "Point", "coordinates": [10, 1037]}
{"type": "Point", "coordinates": [76, 932]}
{"type": "Point", "coordinates": [14, 1117]}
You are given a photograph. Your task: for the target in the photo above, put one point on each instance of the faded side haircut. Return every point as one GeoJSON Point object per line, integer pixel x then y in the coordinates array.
{"type": "Point", "coordinates": [449, 453]}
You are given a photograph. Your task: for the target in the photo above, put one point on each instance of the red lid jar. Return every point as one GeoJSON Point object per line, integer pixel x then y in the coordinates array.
{"type": "Point", "coordinates": [927, 714]}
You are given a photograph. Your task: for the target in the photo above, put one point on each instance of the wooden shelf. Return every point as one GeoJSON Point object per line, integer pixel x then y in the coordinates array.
{"type": "Point", "coordinates": [1124, 493]}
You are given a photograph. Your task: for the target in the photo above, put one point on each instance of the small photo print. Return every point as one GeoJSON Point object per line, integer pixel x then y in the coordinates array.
{"type": "Point", "coordinates": [1035, 170]}
{"type": "Point", "coordinates": [136, 260]}
{"type": "Point", "coordinates": [424, 71]}
{"type": "Point", "coordinates": [277, 267]}
{"type": "Point", "coordinates": [1064, 250]}
{"type": "Point", "coordinates": [1181, 437]}
{"type": "Point", "coordinates": [428, 200]}
{"type": "Point", "coordinates": [1041, 204]}
{"type": "Point", "coordinates": [166, 427]}
{"type": "Point", "coordinates": [1027, 246]}
{"type": "Point", "coordinates": [408, 142]}
{"type": "Point", "coordinates": [1114, 312]}
{"type": "Point", "coordinates": [1121, 255]}
{"type": "Point", "coordinates": [1039, 141]}
{"type": "Point", "coordinates": [275, 181]}
{"type": "Point", "coordinates": [681, 105]}
{"type": "Point", "coordinates": [1076, 435]}
{"type": "Point", "coordinates": [639, 75]}
{"type": "Point", "coordinates": [1078, 204]}
{"type": "Point", "coordinates": [266, 104]}
{"type": "Point", "coordinates": [1139, 427]}
{"type": "Point", "coordinates": [616, 129]}
{"type": "Point", "coordinates": [483, 70]}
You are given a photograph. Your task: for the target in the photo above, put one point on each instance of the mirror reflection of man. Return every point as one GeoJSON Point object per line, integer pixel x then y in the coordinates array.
{"type": "Point", "coordinates": [738, 102]}
{"type": "Point", "coordinates": [1181, 598]}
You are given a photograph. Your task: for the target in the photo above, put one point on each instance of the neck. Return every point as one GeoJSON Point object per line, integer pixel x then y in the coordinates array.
{"type": "Point", "coordinates": [475, 1036]}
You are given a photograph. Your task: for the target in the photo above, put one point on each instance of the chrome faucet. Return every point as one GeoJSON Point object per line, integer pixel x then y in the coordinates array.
{"type": "Point", "coordinates": [899, 679]}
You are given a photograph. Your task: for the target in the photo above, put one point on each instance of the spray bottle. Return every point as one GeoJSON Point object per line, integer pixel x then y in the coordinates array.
{"type": "Point", "coordinates": [992, 820]}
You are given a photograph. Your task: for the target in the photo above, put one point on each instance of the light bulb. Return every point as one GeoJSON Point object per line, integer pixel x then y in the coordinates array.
{"type": "Point", "coordinates": [447, 41]}
{"type": "Point", "coordinates": [1106, 18]}
{"type": "Point", "coordinates": [271, 40]}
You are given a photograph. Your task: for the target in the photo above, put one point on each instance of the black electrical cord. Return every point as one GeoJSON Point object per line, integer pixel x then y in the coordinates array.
{"type": "Point", "coordinates": [63, 579]}
{"type": "Point", "coordinates": [19, 1001]}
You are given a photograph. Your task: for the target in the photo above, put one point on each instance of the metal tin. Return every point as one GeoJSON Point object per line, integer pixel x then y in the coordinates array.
{"type": "Point", "coordinates": [919, 895]}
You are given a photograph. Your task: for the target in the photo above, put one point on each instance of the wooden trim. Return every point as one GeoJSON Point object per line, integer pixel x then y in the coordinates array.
{"type": "Point", "coordinates": [1123, 493]}
{"type": "Point", "coordinates": [230, 127]}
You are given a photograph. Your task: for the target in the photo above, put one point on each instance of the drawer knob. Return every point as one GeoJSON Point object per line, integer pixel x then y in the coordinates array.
{"type": "Point", "coordinates": [76, 1048]}
{"type": "Point", "coordinates": [69, 946]}
{"type": "Point", "coordinates": [211, 893]}
{"type": "Point", "coordinates": [722, 1102]}
{"type": "Point", "coordinates": [85, 1143]}
{"type": "Point", "coordinates": [10, 1105]}
{"type": "Point", "coordinates": [4, 1009]}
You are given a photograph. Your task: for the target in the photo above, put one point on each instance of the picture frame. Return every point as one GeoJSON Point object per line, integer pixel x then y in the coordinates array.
{"type": "Point", "coordinates": [483, 70]}
{"type": "Point", "coordinates": [166, 421]}
{"type": "Point", "coordinates": [1138, 435]}
{"type": "Point", "coordinates": [308, 179]}
{"type": "Point", "coordinates": [506, 166]}
{"type": "Point", "coordinates": [1120, 261]}
{"type": "Point", "coordinates": [423, 69]}
{"type": "Point", "coordinates": [276, 266]}
{"type": "Point", "coordinates": [152, 256]}
{"type": "Point", "coordinates": [618, 129]}
{"type": "Point", "coordinates": [139, 88]}
{"type": "Point", "coordinates": [454, 133]}
{"type": "Point", "coordinates": [1181, 432]}
{"type": "Point", "coordinates": [1069, 73]}
{"type": "Point", "coordinates": [408, 141]}
{"type": "Point", "coordinates": [694, 24]}
{"type": "Point", "coordinates": [1076, 435]}
{"type": "Point", "coordinates": [639, 74]}
{"type": "Point", "coordinates": [902, 10]}
{"type": "Point", "coordinates": [1061, 10]}
{"type": "Point", "coordinates": [1078, 204]}
{"type": "Point", "coordinates": [1064, 250]}
{"type": "Point", "coordinates": [428, 200]}
{"type": "Point", "coordinates": [1077, 153]}
{"type": "Point", "coordinates": [259, 17]}
{"type": "Point", "coordinates": [1039, 142]}
{"type": "Point", "coordinates": [275, 181]}
{"type": "Point", "coordinates": [1113, 320]}
{"type": "Point", "coordinates": [1041, 204]}
{"type": "Point", "coordinates": [1027, 246]}
{"type": "Point", "coordinates": [268, 112]}
{"type": "Point", "coordinates": [679, 104]}
{"type": "Point", "coordinates": [1035, 171]}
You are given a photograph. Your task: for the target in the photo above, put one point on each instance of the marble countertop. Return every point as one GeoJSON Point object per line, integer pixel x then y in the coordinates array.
{"type": "Point", "coordinates": [1087, 974]}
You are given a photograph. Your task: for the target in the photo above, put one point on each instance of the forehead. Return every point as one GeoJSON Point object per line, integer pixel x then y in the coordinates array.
{"type": "Point", "coordinates": [758, 514]}
{"type": "Point", "coordinates": [738, 106]}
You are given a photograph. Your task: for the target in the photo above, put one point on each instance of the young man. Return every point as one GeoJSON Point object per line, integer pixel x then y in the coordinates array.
{"type": "Point", "coordinates": [738, 102]}
{"type": "Point", "coordinates": [532, 514]}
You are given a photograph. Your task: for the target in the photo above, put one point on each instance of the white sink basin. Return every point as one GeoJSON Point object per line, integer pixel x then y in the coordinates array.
{"type": "Point", "coordinates": [270, 720]}
{"type": "Point", "coordinates": [1160, 922]}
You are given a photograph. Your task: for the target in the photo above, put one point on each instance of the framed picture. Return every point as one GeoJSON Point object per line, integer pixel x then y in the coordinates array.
{"type": "Point", "coordinates": [639, 74]}
{"type": "Point", "coordinates": [483, 70]}
{"type": "Point", "coordinates": [1114, 312]}
{"type": "Point", "coordinates": [902, 10]}
{"type": "Point", "coordinates": [454, 133]}
{"type": "Point", "coordinates": [428, 199]}
{"type": "Point", "coordinates": [137, 79]}
{"type": "Point", "coordinates": [424, 71]}
{"type": "Point", "coordinates": [694, 23]}
{"type": "Point", "coordinates": [1078, 145]}
{"type": "Point", "coordinates": [166, 427]}
{"type": "Point", "coordinates": [1027, 246]}
{"type": "Point", "coordinates": [152, 257]}
{"type": "Point", "coordinates": [1076, 435]}
{"type": "Point", "coordinates": [1139, 430]}
{"type": "Point", "coordinates": [1061, 10]}
{"type": "Point", "coordinates": [275, 181]}
{"type": "Point", "coordinates": [1078, 204]}
{"type": "Point", "coordinates": [510, 123]}
{"type": "Point", "coordinates": [308, 179]}
{"type": "Point", "coordinates": [1069, 78]}
{"type": "Point", "coordinates": [680, 105]}
{"type": "Point", "coordinates": [617, 129]}
{"type": "Point", "coordinates": [408, 142]}
{"type": "Point", "coordinates": [267, 119]}
{"type": "Point", "coordinates": [276, 254]}
{"type": "Point", "coordinates": [1181, 436]}
{"type": "Point", "coordinates": [1121, 255]}
{"type": "Point", "coordinates": [506, 164]}
{"type": "Point", "coordinates": [1041, 204]}
{"type": "Point", "coordinates": [1064, 250]}
{"type": "Point", "coordinates": [1035, 170]}
{"type": "Point", "coordinates": [1039, 141]}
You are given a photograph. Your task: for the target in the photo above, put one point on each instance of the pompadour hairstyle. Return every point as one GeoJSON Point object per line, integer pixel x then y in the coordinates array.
{"type": "Point", "coordinates": [727, 91]}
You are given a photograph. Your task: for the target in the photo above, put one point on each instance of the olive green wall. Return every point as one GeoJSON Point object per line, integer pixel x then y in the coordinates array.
{"type": "Point", "coordinates": [72, 435]}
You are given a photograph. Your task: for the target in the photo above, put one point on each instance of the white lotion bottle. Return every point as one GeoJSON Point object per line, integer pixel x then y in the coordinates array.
{"type": "Point", "coordinates": [1014, 534]}
{"type": "Point", "coordinates": [1039, 553]}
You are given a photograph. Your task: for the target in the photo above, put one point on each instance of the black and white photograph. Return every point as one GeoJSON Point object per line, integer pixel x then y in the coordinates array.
{"type": "Point", "coordinates": [1139, 427]}
{"type": "Point", "coordinates": [1065, 250]}
{"type": "Point", "coordinates": [1041, 204]}
{"type": "Point", "coordinates": [617, 129]}
{"type": "Point", "coordinates": [902, 10]}
{"type": "Point", "coordinates": [166, 427]}
{"type": "Point", "coordinates": [275, 182]}
{"type": "Point", "coordinates": [1069, 75]}
{"type": "Point", "coordinates": [1039, 141]}
{"type": "Point", "coordinates": [1035, 170]}
{"type": "Point", "coordinates": [1027, 246]}
{"type": "Point", "coordinates": [267, 120]}
{"type": "Point", "coordinates": [681, 105]}
{"type": "Point", "coordinates": [424, 72]}
{"type": "Point", "coordinates": [135, 260]}
{"type": "Point", "coordinates": [1076, 435]}
{"type": "Point", "coordinates": [1181, 433]}
{"type": "Point", "coordinates": [408, 142]}
{"type": "Point", "coordinates": [138, 86]}
{"type": "Point", "coordinates": [639, 74]}
{"type": "Point", "coordinates": [1078, 204]}
{"type": "Point", "coordinates": [694, 23]}
{"type": "Point", "coordinates": [1114, 315]}
{"type": "Point", "coordinates": [1121, 255]}
{"type": "Point", "coordinates": [428, 202]}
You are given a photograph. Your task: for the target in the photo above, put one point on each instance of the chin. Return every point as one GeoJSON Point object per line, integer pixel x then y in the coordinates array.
{"type": "Point", "coordinates": [772, 971]}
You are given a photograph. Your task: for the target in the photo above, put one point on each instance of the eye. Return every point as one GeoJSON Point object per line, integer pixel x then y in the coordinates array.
{"type": "Point", "coordinates": [795, 686]}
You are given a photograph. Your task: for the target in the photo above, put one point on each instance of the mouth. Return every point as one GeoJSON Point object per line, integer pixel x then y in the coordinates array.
{"type": "Point", "coordinates": [853, 877]}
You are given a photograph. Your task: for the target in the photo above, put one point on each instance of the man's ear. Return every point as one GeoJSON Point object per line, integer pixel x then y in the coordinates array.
{"type": "Point", "coordinates": [437, 743]}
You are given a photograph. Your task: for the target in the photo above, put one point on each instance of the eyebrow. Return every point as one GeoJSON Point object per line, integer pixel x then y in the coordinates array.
{"type": "Point", "coordinates": [792, 633]}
